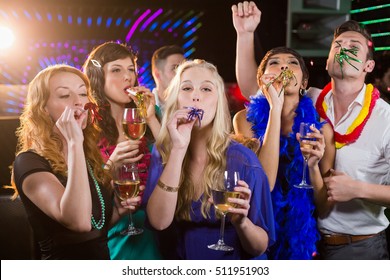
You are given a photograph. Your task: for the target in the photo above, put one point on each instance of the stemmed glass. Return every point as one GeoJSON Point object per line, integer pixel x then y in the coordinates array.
{"type": "Point", "coordinates": [134, 125]}
{"type": "Point", "coordinates": [126, 185]}
{"type": "Point", "coordinates": [221, 203]}
{"type": "Point", "coordinates": [304, 130]}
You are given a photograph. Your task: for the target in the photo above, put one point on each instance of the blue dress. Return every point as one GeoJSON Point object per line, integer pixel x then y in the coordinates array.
{"type": "Point", "coordinates": [294, 209]}
{"type": "Point", "coordinates": [189, 239]}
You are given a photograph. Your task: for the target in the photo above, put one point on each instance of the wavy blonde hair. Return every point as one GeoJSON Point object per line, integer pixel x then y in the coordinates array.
{"type": "Point", "coordinates": [217, 143]}
{"type": "Point", "coordinates": [36, 126]}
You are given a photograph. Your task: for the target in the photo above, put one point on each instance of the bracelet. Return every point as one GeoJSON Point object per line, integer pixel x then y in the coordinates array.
{"type": "Point", "coordinates": [108, 164]}
{"type": "Point", "coordinates": [166, 188]}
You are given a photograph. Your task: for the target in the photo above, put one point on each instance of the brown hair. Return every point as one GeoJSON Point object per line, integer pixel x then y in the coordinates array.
{"type": "Point", "coordinates": [161, 54]}
{"type": "Point", "coordinates": [355, 26]}
{"type": "Point", "coordinates": [93, 68]}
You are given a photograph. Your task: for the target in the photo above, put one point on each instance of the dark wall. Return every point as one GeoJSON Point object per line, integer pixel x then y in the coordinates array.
{"type": "Point", "coordinates": [8, 140]}
{"type": "Point", "coordinates": [217, 37]}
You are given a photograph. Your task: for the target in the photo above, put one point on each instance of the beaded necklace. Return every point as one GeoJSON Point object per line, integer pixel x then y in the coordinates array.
{"type": "Point", "coordinates": [353, 132]}
{"type": "Point", "coordinates": [100, 224]}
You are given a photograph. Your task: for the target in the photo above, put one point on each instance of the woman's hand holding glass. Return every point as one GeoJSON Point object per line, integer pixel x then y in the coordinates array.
{"type": "Point", "coordinates": [239, 212]}
{"type": "Point", "coordinates": [315, 148]}
{"type": "Point", "coordinates": [312, 147]}
{"type": "Point", "coordinates": [126, 152]}
{"type": "Point", "coordinates": [232, 200]}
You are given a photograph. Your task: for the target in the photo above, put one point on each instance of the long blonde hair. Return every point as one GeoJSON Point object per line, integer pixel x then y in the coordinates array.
{"type": "Point", "coordinates": [217, 143]}
{"type": "Point", "coordinates": [36, 126]}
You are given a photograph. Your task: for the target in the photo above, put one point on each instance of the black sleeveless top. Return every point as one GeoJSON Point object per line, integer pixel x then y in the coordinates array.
{"type": "Point", "coordinates": [56, 241]}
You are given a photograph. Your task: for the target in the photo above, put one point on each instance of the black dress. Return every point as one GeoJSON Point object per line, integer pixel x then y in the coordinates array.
{"type": "Point", "coordinates": [56, 241]}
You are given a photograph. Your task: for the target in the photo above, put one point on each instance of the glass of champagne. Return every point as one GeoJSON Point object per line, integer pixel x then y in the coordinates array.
{"type": "Point", "coordinates": [304, 130]}
{"type": "Point", "coordinates": [221, 204]}
{"type": "Point", "coordinates": [134, 125]}
{"type": "Point", "coordinates": [126, 185]}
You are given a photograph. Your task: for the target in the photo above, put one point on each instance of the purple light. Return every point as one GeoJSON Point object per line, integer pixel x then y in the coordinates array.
{"type": "Point", "coordinates": [135, 25]}
{"type": "Point", "coordinates": [27, 14]}
{"type": "Point", "coordinates": [149, 20]}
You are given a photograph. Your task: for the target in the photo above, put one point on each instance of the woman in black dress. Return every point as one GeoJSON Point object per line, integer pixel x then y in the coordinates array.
{"type": "Point", "coordinates": [58, 168]}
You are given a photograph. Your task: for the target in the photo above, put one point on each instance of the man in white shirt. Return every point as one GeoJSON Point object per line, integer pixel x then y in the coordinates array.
{"type": "Point", "coordinates": [164, 63]}
{"type": "Point", "coordinates": [359, 188]}
{"type": "Point", "coordinates": [358, 191]}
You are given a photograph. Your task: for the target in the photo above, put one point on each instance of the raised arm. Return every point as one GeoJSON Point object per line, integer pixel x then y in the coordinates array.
{"type": "Point", "coordinates": [246, 17]}
{"type": "Point", "coordinates": [269, 152]}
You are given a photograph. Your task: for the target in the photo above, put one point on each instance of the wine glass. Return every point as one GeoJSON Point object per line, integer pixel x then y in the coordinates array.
{"type": "Point", "coordinates": [221, 203]}
{"type": "Point", "coordinates": [134, 125]}
{"type": "Point", "coordinates": [304, 130]}
{"type": "Point", "coordinates": [126, 185]}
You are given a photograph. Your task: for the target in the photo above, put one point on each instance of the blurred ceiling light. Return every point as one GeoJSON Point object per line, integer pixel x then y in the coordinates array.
{"type": "Point", "coordinates": [7, 38]}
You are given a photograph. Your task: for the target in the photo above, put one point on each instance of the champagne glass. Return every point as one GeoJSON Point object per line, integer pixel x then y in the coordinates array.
{"type": "Point", "coordinates": [221, 204]}
{"type": "Point", "coordinates": [134, 125]}
{"type": "Point", "coordinates": [126, 185]}
{"type": "Point", "coordinates": [304, 130]}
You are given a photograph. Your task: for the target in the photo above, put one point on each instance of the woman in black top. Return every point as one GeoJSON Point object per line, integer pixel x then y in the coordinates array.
{"type": "Point", "coordinates": [58, 169]}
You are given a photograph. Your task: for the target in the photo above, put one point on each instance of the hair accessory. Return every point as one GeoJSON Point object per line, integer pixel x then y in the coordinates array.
{"type": "Point", "coordinates": [195, 113]}
{"type": "Point", "coordinates": [166, 187]}
{"type": "Point", "coordinates": [343, 55]}
{"type": "Point", "coordinates": [96, 63]}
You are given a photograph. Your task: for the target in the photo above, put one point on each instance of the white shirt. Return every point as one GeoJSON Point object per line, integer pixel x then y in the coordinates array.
{"type": "Point", "coordinates": [158, 102]}
{"type": "Point", "coordinates": [368, 160]}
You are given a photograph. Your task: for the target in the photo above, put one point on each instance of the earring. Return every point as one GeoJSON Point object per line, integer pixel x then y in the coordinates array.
{"type": "Point", "coordinates": [302, 92]}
